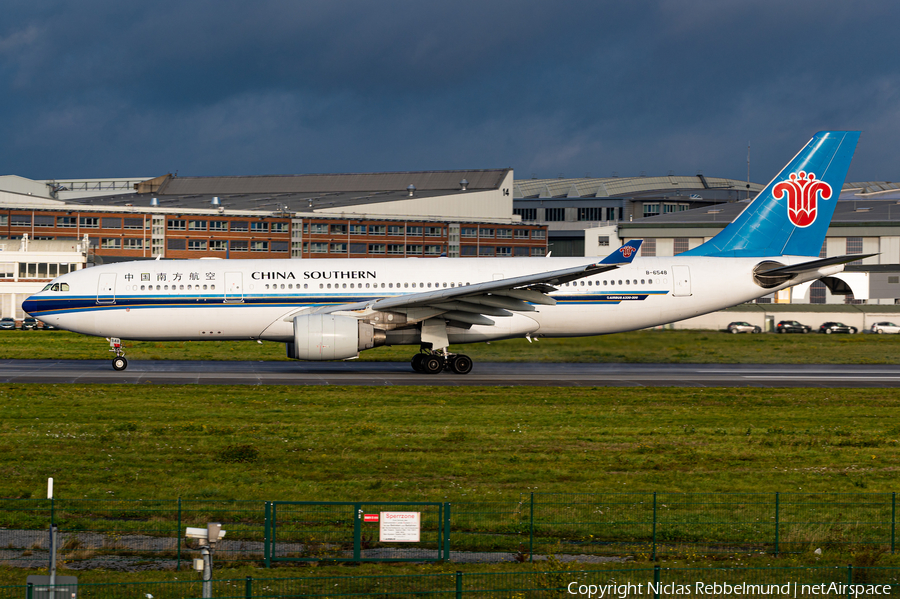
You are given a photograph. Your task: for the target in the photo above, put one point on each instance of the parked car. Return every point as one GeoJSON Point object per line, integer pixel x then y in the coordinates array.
{"type": "Point", "coordinates": [885, 327]}
{"type": "Point", "coordinates": [836, 327]}
{"type": "Point", "coordinates": [743, 327]}
{"type": "Point", "coordinates": [46, 326]}
{"type": "Point", "coordinates": [7, 324]}
{"type": "Point", "coordinates": [791, 326]}
{"type": "Point", "coordinates": [29, 324]}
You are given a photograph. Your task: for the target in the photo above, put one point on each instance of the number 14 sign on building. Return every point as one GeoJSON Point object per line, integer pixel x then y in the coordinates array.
{"type": "Point", "coordinates": [400, 527]}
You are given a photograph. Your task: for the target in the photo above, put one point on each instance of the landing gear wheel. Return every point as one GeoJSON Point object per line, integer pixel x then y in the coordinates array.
{"type": "Point", "coordinates": [417, 362]}
{"type": "Point", "coordinates": [432, 365]}
{"type": "Point", "coordinates": [461, 364]}
{"type": "Point", "coordinates": [119, 363]}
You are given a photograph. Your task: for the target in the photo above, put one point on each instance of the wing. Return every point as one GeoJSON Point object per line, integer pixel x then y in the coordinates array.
{"type": "Point", "coordinates": [473, 304]}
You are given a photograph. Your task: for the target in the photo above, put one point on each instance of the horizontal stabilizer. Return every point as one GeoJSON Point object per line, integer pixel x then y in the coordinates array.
{"type": "Point", "coordinates": [804, 267]}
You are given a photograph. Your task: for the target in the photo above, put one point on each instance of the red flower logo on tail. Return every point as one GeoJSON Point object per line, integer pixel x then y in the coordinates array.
{"type": "Point", "coordinates": [802, 191]}
{"type": "Point", "coordinates": [626, 251]}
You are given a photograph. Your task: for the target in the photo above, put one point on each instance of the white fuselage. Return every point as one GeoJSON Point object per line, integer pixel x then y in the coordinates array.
{"type": "Point", "coordinates": [256, 299]}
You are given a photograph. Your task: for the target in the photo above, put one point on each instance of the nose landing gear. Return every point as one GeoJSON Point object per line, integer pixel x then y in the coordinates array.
{"type": "Point", "coordinates": [432, 362]}
{"type": "Point", "coordinates": [118, 362]}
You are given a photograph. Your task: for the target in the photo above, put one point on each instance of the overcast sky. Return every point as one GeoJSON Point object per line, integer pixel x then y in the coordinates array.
{"type": "Point", "coordinates": [106, 88]}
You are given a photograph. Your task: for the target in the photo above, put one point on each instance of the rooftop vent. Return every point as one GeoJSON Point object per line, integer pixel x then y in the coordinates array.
{"type": "Point", "coordinates": [215, 201]}
{"type": "Point", "coordinates": [154, 201]}
{"type": "Point", "coordinates": [464, 185]}
{"type": "Point", "coordinates": [863, 209]}
{"type": "Point", "coordinates": [411, 189]}
{"type": "Point", "coordinates": [714, 211]}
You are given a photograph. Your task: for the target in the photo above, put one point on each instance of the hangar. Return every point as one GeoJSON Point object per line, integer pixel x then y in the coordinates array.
{"type": "Point", "coordinates": [462, 213]}
{"type": "Point", "coordinates": [466, 213]}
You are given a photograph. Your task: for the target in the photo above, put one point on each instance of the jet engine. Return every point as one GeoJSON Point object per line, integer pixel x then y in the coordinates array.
{"type": "Point", "coordinates": [331, 337]}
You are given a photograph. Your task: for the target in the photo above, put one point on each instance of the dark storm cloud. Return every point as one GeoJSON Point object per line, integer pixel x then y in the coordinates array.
{"type": "Point", "coordinates": [114, 89]}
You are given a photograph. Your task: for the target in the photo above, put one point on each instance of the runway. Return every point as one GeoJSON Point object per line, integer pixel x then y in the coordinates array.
{"type": "Point", "coordinates": [188, 372]}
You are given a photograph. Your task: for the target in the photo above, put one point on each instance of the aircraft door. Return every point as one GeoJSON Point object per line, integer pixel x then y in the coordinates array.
{"type": "Point", "coordinates": [234, 287]}
{"type": "Point", "coordinates": [106, 288]}
{"type": "Point", "coordinates": [682, 278]}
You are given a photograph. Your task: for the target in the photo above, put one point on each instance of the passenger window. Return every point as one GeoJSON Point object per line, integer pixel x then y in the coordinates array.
{"type": "Point", "coordinates": [305, 286]}
{"type": "Point", "coordinates": [181, 287]}
{"type": "Point", "coordinates": [620, 282]}
{"type": "Point", "coordinates": [212, 286]}
{"type": "Point", "coordinates": [407, 284]}
{"type": "Point", "coordinates": [329, 285]}
{"type": "Point", "coordinates": [642, 281]}
{"type": "Point", "coordinates": [142, 287]}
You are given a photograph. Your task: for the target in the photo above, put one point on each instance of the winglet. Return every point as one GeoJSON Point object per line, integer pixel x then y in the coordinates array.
{"type": "Point", "coordinates": [625, 254]}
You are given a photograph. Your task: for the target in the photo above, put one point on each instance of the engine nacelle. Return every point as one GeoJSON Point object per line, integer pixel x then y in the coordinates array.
{"type": "Point", "coordinates": [331, 337]}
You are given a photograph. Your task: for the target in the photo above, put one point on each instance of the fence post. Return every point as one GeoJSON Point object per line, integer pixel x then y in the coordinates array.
{"type": "Point", "coordinates": [893, 518]}
{"type": "Point", "coordinates": [531, 531]}
{"type": "Point", "coordinates": [248, 588]}
{"type": "Point", "coordinates": [656, 581]}
{"type": "Point", "coordinates": [29, 591]}
{"type": "Point", "coordinates": [357, 532]}
{"type": "Point", "coordinates": [654, 527]}
{"type": "Point", "coordinates": [777, 514]}
{"type": "Point", "coordinates": [459, 577]}
{"type": "Point", "coordinates": [52, 511]}
{"type": "Point", "coordinates": [267, 550]}
{"type": "Point", "coordinates": [178, 537]}
{"type": "Point", "coordinates": [447, 531]}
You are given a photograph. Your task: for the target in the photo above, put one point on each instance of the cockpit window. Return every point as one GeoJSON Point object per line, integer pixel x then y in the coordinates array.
{"type": "Point", "coordinates": [47, 286]}
{"type": "Point", "coordinates": [56, 287]}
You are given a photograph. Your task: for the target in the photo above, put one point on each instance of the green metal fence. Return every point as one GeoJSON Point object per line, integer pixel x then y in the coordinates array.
{"type": "Point", "coordinates": [645, 524]}
{"type": "Point", "coordinates": [632, 582]}
{"type": "Point", "coordinates": [304, 531]}
{"type": "Point", "coordinates": [669, 523]}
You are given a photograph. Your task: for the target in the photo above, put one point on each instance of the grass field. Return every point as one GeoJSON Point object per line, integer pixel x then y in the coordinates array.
{"type": "Point", "coordinates": [450, 444]}
{"type": "Point", "coordinates": [441, 444]}
{"type": "Point", "coordinates": [656, 346]}
{"type": "Point", "coordinates": [421, 443]}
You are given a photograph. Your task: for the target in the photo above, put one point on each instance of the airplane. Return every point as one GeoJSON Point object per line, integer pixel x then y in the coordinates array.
{"type": "Point", "coordinates": [334, 309]}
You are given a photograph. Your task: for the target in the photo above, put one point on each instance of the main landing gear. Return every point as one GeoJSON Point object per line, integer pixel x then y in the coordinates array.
{"type": "Point", "coordinates": [432, 362]}
{"type": "Point", "coordinates": [118, 362]}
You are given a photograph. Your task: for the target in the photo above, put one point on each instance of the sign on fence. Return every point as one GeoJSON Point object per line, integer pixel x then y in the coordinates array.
{"type": "Point", "coordinates": [400, 527]}
{"type": "Point", "coordinates": [346, 531]}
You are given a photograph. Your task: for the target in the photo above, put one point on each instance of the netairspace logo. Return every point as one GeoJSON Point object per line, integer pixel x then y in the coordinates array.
{"type": "Point", "coordinates": [724, 589]}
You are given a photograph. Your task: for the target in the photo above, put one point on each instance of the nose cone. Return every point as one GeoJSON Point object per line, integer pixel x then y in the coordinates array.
{"type": "Point", "coordinates": [30, 305]}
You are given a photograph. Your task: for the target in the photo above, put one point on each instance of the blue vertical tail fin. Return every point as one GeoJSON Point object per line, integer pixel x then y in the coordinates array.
{"type": "Point", "coordinates": [792, 214]}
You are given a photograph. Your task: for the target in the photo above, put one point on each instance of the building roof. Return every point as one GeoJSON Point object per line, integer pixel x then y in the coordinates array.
{"type": "Point", "coordinates": [852, 211]}
{"type": "Point", "coordinates": [301, 193]}
{"type": "Point", "coordinates": [619, 187]}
